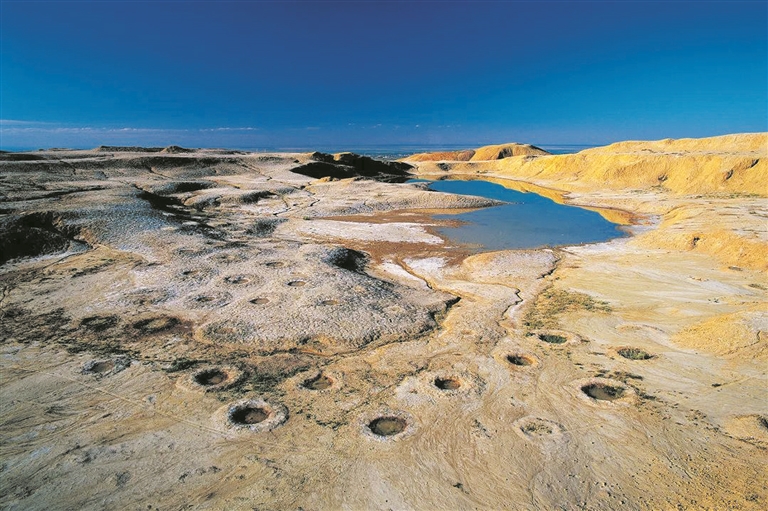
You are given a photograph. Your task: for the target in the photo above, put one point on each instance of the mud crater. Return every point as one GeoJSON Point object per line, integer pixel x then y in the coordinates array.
{"type": "Point", "coordinates": [147, 296]}
{"type": "Point", "coordinates": [210, 300]}
{"type": "Point", "coordinates": [228, 331]}
{"type": "Point", "coordinates": [237, 279]}
{"type": "Point", "coordinates": [387, 425]}
{"type": "Point", "coordinates": [105, 367]}
{"type": "Point", "coordinates": [228, 258]}
{"type": "Point", "coordinates": [320, 382]}
{"type": "Point", "coordinates": [521, 360]}
{"type": "Point", "coordinates": [99, 323]}
{"type": "Point", "coordinates": [555, 337]}
{"type": "Point", "coordinates": [634, 354]}
{"type": "Point", "coordinates": [447, 383]}
{"type": "Point", "coordinates": [605, 391]}
{"type": "Point", "coordinates": [256, 415]}
{"type": "Point", "coordinates": [249, 415]}
{"type": "Point", "coordinates": [537, 428]}
{"type": "Point", "coordinates": [317, 381]}
{"type": "Point", "coordinates": [214, 378]}
{"type": "Point", "coordinates": [156, 324]}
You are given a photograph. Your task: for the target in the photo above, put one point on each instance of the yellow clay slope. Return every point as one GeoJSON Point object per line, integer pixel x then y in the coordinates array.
{"type": "Point", "coordinates": [491, 152]}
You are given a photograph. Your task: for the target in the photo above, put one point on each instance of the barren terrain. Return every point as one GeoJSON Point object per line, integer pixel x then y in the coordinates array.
{"type": "Point", "coordinates": [209, 329]}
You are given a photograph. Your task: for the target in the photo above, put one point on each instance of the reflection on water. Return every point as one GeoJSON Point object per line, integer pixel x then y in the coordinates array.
{"type": "Point", "coordinates": [527, 221]}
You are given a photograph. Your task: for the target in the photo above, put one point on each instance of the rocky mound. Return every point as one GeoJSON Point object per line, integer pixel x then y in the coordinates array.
{"type": "Point", "coordinates": [33, 235]}
{"type": "Point", "coordinates": [6, 156]}
{"type": "Point", "coordinates": [174, 149]}
{"type": "Point", "coordinates": [346, 165]}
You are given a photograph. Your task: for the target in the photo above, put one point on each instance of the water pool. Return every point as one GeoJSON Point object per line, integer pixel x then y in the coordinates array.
{"type": "Point", "coordinates": [527, 220]}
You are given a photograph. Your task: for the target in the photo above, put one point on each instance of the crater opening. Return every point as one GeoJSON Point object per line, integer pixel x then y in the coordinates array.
{"type": "Point", "coordinates": [249, 414]}
{"type": "Point", "coordinates": [297, 283]}
{"type": "Point", "coordinates": [319, 382]}
{"type": "Point", "coordinates": [228, 258]}
{"type": "Point", "coordinates": [329, 302]}
{"type": "Point", "coordinates": [236, 279]}
{"type": "Point", "coordinates": [275, 264]}
{"type": "Point", "coordinates": [99, 323]}
{"type": "Point", "coordinates": [211, 377]}
{"type": "Point", "coordinates": [447, 383]}
{"type": "Point", "coordinates": [634, 354]}
{"type": "Point", "coordinates": [535, 427]}
{"type": "Point", "coordinates": [228, 331]}
{"type": "Point", "coordinates": [520, 360]}
{"type": "Point", "coordinates": [602, 391]}
{"type": "Point", "coordinates": [387, 426]}
{"type": "Point", "coordinates": [259, 301]}
{"type": "Point", "coordinates": [538, 429]}
{"type": "Point", "coordinates": [156, 324]}
{"type": "Point", "coordinates": [763, 422]}
{"type": "Point", "coordinates": [552, 338]}
{"type": "Point", "coordinates": [99, 366]}
{"type": "Point", "coordinates": [148, 296]}
{"type": "Point", "coordinates": [208, 300]}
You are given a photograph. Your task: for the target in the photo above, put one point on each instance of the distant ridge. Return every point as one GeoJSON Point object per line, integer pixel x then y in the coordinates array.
{"type": "Point", "coordinates": [127, 149]}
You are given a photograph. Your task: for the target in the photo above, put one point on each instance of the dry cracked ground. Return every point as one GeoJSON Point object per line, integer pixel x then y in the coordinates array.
{"type": "Point", "coordinates": [228, 330]}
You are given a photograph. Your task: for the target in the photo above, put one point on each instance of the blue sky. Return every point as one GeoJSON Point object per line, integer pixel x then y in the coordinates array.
{"type": "Point", "coordinates": [321, 74]}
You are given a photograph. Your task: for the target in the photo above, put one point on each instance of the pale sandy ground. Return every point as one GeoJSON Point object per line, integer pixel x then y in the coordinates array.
{"type": "Point", "coordinates": [690, 430]}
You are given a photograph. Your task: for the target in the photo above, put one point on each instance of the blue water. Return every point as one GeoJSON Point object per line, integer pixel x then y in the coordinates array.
{"type": "Point", "coordinates": [526, 221]}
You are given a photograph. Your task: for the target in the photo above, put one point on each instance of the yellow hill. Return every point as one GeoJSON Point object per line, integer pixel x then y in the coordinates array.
{"type": "Point", "coordinates": [465, 155]}
{"type": "Point", "coordinates": [728, 164]}
{"type": "Point", "coordinates": [486, 153]}
{"type": "Point", "coordinates": [690, 177]}
{"type": "Point", "coordinates": [744, 142]}
{"type": "Point", "coordinates": [731, 164]}
{"type": "Point", "coordinates": [499, 152]}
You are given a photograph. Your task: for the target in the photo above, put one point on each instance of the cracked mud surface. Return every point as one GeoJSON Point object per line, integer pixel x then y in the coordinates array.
{"type": "Point", "coordinates": [213, 331]}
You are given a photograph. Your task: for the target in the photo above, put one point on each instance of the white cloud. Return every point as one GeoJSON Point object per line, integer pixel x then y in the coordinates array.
{"type": "Point", "coordinates": [17, 122]}
{"type": "Point", "coordinates": [22, 135]}
{"type": "Point", "coordinates": [227, 128]}
{"type": "Point", "coordinates": [15, 126]}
